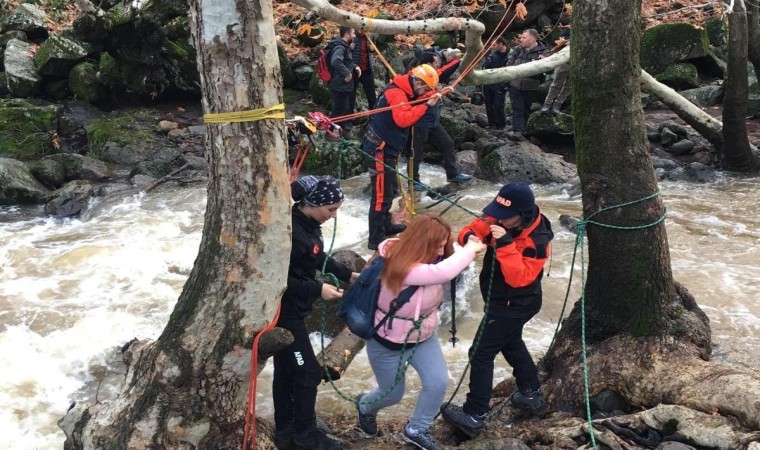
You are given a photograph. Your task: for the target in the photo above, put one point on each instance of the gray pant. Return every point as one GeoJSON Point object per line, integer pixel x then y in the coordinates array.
{"type": "Point", "coordinates": [429, 363]}
{"type": "Point", "coordinates": [560, 87]}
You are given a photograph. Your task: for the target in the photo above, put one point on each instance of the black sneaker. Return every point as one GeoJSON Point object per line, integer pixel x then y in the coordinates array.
{"type": "Point", "coordinates": [316, 439]}
{"type": "Point", "coordinates": [367, 423]}
{"type": "Point", "coordinates": [283, 439]}
{"type": "Point", "coordinates": [421, 439]}
{"type": "Point", "coordinates": [395, 228]}
{"type": "Point", "coordinates": [469, 424]}
{"type": "Point", "coordinates": [532, 401]}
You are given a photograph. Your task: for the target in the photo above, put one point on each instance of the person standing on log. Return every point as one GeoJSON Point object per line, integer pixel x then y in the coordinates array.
{"type": "Point", "coordinates": [297, 373]}
{"type": "Point", "coordinates": [518, 238]}
{"type": "Point", "coordinates": [422, 256]}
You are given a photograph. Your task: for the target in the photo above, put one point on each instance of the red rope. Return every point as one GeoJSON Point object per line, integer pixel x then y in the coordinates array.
{"type": "Point", "coordinates": [303, 150]}
{"type": "Point", "coordinates": [250, 409]}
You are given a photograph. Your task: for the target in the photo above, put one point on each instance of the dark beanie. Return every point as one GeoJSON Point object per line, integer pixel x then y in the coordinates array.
{"type": "Point", "coordinates": [316, 190]}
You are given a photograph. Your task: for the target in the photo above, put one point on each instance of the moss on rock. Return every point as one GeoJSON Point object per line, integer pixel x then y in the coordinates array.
{"type": "Point", "coordinates": [670, 43]}
{"type": "Point", "coordinates": [680, 76]}
{"type": "Point", "coordinates": [26, 131]}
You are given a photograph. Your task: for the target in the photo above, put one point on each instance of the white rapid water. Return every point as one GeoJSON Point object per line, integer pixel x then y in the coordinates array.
{"type": "Point", "coordinates": [72, 291]}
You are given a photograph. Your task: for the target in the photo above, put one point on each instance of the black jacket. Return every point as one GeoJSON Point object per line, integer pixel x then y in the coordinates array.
{"type": "Point", "coordinates": [494, 60]}
{"type": "Point", "coordinates": [520, 55]}
{"type": "Point", "coordinates": [306, 258]}
{"type": "Point", "coordinates": [341, 64]}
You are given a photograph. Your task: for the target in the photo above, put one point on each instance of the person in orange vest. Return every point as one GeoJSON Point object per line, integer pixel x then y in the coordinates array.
{"type": "Point", "coordinates": [518, 238]}
{"type": "Point", "coordinates": [385, 138]}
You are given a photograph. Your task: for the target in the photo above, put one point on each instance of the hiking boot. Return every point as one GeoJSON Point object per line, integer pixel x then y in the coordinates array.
{"type": "Point", "coordinates": [367, 423]}
{"type": "Point", "coordinates": [459, 178]}
{"type": "Point", "coordinates": [395, 228]}
{"type": "Point", "coordinates": [421, 439]}
{"type": "Point", "coordinates": [532, 401]}
{"type": "Point", "coordinates": [469, 424]}
{"type": "Point", "coordinates": [545, 109]}
{"type": "Point", "coordinates": [283, 439]}
{"type": "Point", "coordinates": [555, 109]}
{"type": "Point", "coordinates": [316, 440]}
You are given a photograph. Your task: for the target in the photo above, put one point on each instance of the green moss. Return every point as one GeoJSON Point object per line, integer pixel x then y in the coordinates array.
{"type": "Point", "coordinates": [680, 76]}
{"type": "Point", "coordinates": [124, 129]}
{"type": "Point", "coordinates": [668, 43]}
{"type": "Point", "coordinates": [175, 50]}
{"type": "Point", "coordinates": [83, 83]}
{"type": "Point", "coordinates": [26, 131]}
{"type": "Point", "coordinates": [717, 31]}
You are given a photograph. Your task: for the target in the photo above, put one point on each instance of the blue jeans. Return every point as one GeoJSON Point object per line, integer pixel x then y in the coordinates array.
{"type": "Point", "coordinates": [429, 363]}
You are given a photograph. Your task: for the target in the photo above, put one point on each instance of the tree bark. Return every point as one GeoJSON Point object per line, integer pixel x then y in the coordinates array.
{"type": "Point", "coordinates": [189, 388]}
{"type": "Point", "coordinates": [737, 154]}
{"type": "Point", "coordinates": [339, 354]}
{"type": "Point", "coordinates": [753, 35]}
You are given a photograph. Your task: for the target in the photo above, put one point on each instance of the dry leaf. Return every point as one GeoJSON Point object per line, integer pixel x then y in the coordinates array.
{"type": "Point", "coordinates": [304, 29]}
{"type": "Point", "coordinates": [521, 11]}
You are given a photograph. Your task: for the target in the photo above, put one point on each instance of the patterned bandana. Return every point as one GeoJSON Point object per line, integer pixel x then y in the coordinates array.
{"type": "Point", "coordinates": [316, 191]}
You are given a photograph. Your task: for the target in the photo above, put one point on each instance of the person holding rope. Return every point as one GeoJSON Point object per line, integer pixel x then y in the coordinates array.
{"type": "Point", "coordinates": [385, 138]}
{"type": "Point", "coordinates": [429, 129]}
{"type": "Point", "coordinates": [422, 256]}
{"type": "Point", "coordinates": [518, 238]}
{"type": "Point", "coordinates": [296, 370]}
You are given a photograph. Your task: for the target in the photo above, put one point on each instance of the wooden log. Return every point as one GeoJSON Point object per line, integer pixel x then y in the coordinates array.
{"type": "Point", "coordinates": [337, 356]}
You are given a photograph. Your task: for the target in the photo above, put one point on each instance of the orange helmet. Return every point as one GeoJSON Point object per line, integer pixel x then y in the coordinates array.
{"type": "Point", "coordinates": [427, 74]}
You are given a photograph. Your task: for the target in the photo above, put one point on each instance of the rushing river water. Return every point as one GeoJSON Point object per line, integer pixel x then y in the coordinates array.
{"type": "Point", "coordinates": [74, 290]}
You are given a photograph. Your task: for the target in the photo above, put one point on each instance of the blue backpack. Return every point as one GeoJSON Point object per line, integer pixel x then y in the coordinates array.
{"type": "Point", "coordinates": [359, 303]}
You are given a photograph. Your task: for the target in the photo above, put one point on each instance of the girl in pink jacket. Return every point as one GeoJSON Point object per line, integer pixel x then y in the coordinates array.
{"type": "Point", "coordinates": [422, 256]}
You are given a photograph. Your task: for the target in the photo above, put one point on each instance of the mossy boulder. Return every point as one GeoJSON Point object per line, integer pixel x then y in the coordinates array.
{"type": "Point", "coordinates": [50, 173]}
{"type": "Point", "coordinates": [457, 126]}
{"type": "Point", "coordinates": [670, 43]}
{"type": "Point", "coordinates": [679, 76]}
{"type": "Point", "coordinates": [554, 127]}
{"type": "Point", "coordinates": [320, 93]}
{"type": "Point", "coordinates": [325, 160]}
{"type": "Point", "coordinates": [84, 84]}
{"type": "Point", "coordinates": [704, 96]}
{"type": "Point", "coordinates": [717, 31]}
{"type": "Point", "coordinates": [3, 84]}
{"type": "Point", "coordinates": [78, 167]}
{"type": "Point", "coordinates": [286, 69]}
{"type": "Point", "coordinates": [58, 54]}
{"type": "Point", "coordinates": [26, 130]}
{"type": "Point", "coordinates": [521, 161]}
{"type": "Point", "coordinates": [124, 129]}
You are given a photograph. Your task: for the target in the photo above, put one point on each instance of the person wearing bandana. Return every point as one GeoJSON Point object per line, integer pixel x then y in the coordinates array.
{"type": "Point", "coordinates": [297, 373]}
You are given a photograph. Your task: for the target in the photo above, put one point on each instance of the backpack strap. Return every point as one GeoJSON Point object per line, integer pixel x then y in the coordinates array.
{"type": "Point", "coordinates": [396, 304]}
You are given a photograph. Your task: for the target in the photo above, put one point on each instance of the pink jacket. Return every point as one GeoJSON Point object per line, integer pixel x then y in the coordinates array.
{"type": "Point", "coordinates": [424, 302]}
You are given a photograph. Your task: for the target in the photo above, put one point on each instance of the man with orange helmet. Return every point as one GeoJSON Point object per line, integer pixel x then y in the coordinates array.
{"type": "Point", "coordinates": [386, 138]}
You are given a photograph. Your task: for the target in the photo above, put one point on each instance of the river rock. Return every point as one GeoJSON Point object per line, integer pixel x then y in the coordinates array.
{"type": "Point", "coordinates": [456, 124]}
{"type": "Point", "coordinates": [17, 185]}
{"type": "Point", "coordinates": [704, 96]}
{"type": "Point", "coordinates": [671, 445]}
{"type": "Point", "coordinates": [670, 43]}
{"type": "Point", "coordinates": [570, 223]}
{"type": "Point", "coordinates": [682, 147]}
{"type": "Point", "coordinates": [27, 130]}
{"type": "Point", "coordinates": [23, 78]}
{"type": "Point", "coordinates": [50, 173]}
{"type": "Point", "coordinates": [679, 76]}
{"type": "Point", "coordinates": [71, 199]}
{"type": "Point", "coordinates": [80, 167]}
{"type": "Point", "coordinates": [521, 161]}
{"type": "Point", "coordinates": [663, 163]}
{"type": "Point", "coordinates": [467, 160]}
{"type": "Point", "coordinates": [668, 137]}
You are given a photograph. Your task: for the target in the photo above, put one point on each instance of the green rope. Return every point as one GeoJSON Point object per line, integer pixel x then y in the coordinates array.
{"type": "Point", "coordinates": [580, 242]}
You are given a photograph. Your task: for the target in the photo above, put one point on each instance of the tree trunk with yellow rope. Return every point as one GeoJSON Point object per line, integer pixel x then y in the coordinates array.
{"type": "Point", "coordinates": [188, 389]}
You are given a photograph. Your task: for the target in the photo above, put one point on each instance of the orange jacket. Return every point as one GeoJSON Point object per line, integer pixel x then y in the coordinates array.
{"type": "Point", "coordinates": [519, 259]}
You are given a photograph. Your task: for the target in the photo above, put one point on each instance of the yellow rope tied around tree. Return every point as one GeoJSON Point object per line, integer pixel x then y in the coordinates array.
{"type": "Point", "coordinates": [254, 115]}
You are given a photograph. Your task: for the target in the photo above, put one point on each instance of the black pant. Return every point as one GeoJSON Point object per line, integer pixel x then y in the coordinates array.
{"type": "Point", "coordinates": [502, 335]}
{"type": "Point", "coordinates": [441, 140]}
{"type": "Point", "coordinates": [297, 375]}
{"type": "Point", "coordinates": [521, 102]}
{"type": "Point", "coordinates": [342, 106]}
{"type": "Point", "coordinates": [368, 84]}
{"type": "Point", "coordinates": [493, 96]}
{"type": "Point", "coordinates": [383, 182]}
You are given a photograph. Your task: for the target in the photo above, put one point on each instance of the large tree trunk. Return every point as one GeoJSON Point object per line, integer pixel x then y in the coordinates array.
{"type": "Point", "coordinates": [630, 288]}
{"type": "Point", "coordinates": [737, 154]}
{"type": "Point", "coordinates": [188, 389]}
{"type": "Point", "coordinates": [753, 35]}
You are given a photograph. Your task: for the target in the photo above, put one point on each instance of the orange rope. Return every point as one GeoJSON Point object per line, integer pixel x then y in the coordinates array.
{"type": "Point", "coordinates": [250, 409]}
{"type": "Point", "coordinates": [303, 150]}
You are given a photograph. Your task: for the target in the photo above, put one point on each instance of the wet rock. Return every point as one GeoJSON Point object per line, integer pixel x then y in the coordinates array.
{"type": "Point", "coordinates": [570, 223]}
{"type": "Point", "coordinates": [521, 161]}
{"type": "Point", "coordinates": [682, 147]}
{"type": "Point", "coordinates": [701, 173]}
{"type": "Point", "coordinates": [197, 162]}
{"type": "Point", "coordinates": [80, 167]}
{"type": "Point", "coordinates": [48, 172]}
{"type": "Point", "coordinates": [18, 185]}
{"type": "Point", "coordinates": [663, 163]}
{"type": "Point", "coordinates": [467, 160]}
{"type": "Point", "coordinates": [71, 199]}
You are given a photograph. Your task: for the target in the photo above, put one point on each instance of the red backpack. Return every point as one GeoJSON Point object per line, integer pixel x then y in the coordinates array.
{"type": "Point", "coordinates": [323, 66]}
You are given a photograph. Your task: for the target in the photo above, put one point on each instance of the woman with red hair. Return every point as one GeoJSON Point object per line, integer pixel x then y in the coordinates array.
{"type": "Point", "coordinates": [421, 256]}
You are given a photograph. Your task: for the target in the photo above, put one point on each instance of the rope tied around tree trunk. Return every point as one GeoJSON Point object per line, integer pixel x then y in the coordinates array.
{"type": "Point", "coordinates": [253, 115]}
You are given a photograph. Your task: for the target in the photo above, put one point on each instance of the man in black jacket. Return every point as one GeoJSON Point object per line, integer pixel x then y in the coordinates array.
{"type": "Point", "coordinates": [493, 94]}
{"type": "Point", "coordinates": [522, 91]}
{"type": "Point", "coordinates": [343, 70]}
